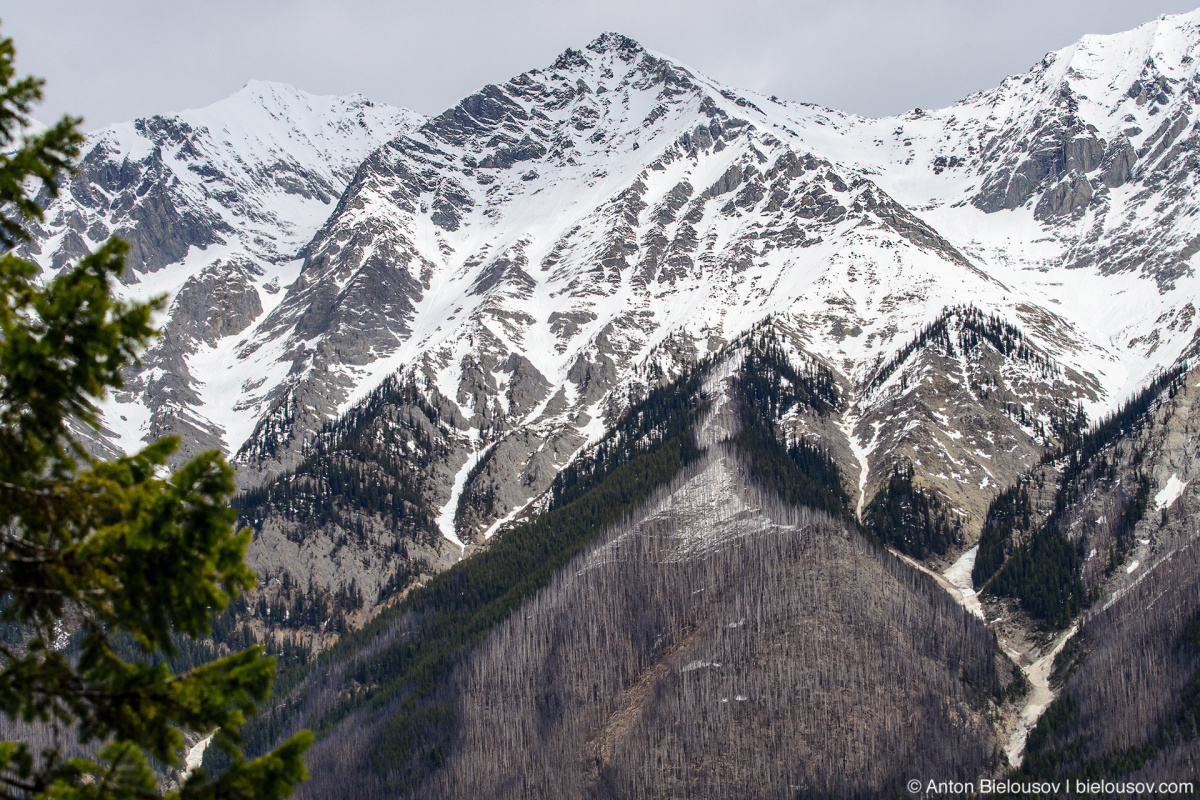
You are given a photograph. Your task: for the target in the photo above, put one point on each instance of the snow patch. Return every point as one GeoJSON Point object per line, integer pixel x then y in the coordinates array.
{"type": "Point", "coordinates": [959, 576]}
{"type": "Point", "coordinates": [195, 756]}
{"type": "Point", "coordinates": [860, 454]}
{"type": "Point", "coordinates": [445, 520]}
{"type": "Point", "coordinates": [1169, 493]}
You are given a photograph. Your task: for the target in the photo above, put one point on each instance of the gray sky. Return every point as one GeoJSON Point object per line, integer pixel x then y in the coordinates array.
{"type": "Point", "coordinates": [113, 60]}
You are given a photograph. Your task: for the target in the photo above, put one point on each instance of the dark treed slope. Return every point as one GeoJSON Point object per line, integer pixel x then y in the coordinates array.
{"type": "Point", "coordinates": [767, 387]}
{"type": "Point", "coordinates": [1131, 698]}
{"type": "Point", "coordinates": [912, 519]}
{"type": "Point", "coordinates": [356, 461]}
{"type": "Point", "coordinates": [606, 667]}
{"type": "Point", "coordinates": [791, 654]}
{"type": "Point", "coordinates": [1130, 701]}
{"type": "Point", "coordinates": [394, 670]}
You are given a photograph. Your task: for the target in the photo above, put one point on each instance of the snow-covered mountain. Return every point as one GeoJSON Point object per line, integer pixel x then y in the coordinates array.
{"type": "Point", "coordinates": [538, 255]}
{"type": "Point", "coordinates": [536, 249]}
{"type": "Point", "coordinates": [216, 204]}
{"type": "Point", "coordinates": [1075, 181]}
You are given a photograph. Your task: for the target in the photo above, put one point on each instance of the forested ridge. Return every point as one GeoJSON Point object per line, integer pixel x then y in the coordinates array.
{"type": "Point", "coordinates": [358, 497]}
{"type": "Point", "coordinates": [368, 461]}
{"type": "Point", "coordinates": [768, 387]}
{"type": "Point", "coordinates": [404, 654]}
{"type": "Point", "coordinates": [971, 328]}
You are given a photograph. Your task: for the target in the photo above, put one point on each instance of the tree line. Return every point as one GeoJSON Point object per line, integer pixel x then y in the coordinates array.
{"type": "Point", "coordinates": [766, 387]}
{"type": "Point", "coordinates": [972, 329]}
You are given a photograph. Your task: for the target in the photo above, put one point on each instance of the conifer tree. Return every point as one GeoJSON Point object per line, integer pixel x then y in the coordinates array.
{"type": "Point", "coordinates": [99, 548]}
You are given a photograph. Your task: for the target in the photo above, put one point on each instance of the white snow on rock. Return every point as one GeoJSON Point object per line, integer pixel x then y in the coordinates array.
{"type": "Point", "coordinates": [445, 520]}
{"type": "Point", "coordinates": [195, 756]}
{"type": "Point", "coordinates": [1169, 493]}
{"type": "Point", "coordinates": [613, 159]}
{"type": "Point", "coordinates": [959, 576]}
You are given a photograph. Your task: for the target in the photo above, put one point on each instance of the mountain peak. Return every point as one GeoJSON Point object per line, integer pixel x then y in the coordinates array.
{"type": "Point", "coordinates": [608, 42]}
{"type": "Point", "coordinates": [256, 87]}
{"type": "Point", "coordinates": [1162, 48]}
{"type": "Point", "coordinates": [276, 95]}
{"type": "Point", "coordinates": [612, 42]}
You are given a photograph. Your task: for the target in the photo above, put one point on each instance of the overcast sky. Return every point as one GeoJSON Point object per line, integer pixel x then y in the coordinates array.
{"type": "Point", "coordinates": [113, 60]}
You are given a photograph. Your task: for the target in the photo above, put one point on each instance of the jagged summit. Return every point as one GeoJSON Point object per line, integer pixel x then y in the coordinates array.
{"type": "Point", "coordinates": [1065, 176]}
{"type": "Point", "coordinates": [573, 86]}
{"type": "Point", "coordinates": [1107, 77]}
{"type": "Point", "coordinates": [610, 41]}
{"type": "Point", "coordinates": [607, 43]}
{"type": "Point", "coordinates": [1161, 44]}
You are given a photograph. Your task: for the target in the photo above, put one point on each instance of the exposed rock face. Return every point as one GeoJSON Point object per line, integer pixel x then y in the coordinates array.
{"type": "Point", "coordinates": [1056, 148]}
{"type": "Point", "coordinates": [1117, 167]}
{"type": "Point", "coordinates": [365, 554]}
{"type": "Point", "coordinates": [220, 301]}
{"type": "Point", "coordinates": [517, 469]}
{"type": "Point", "coordinates": [1072, 193]}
